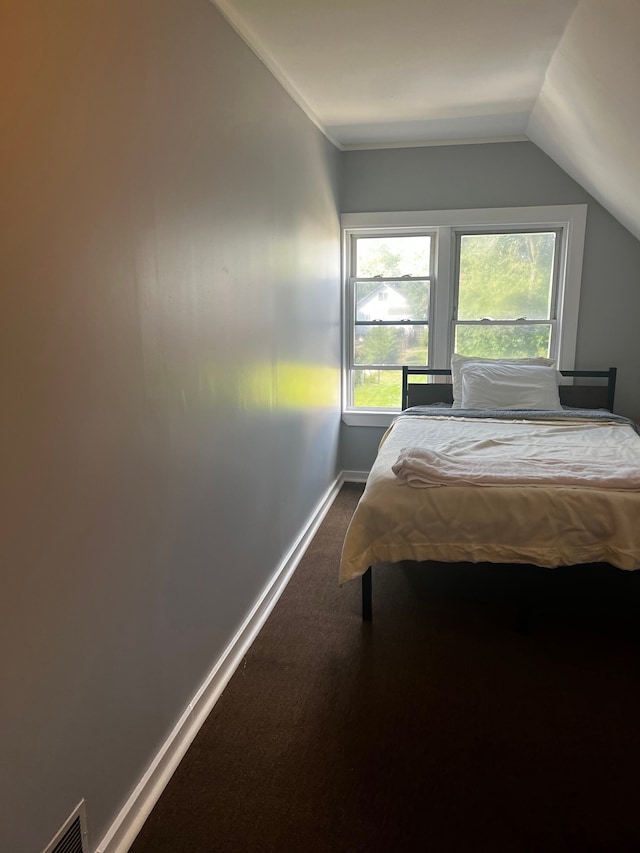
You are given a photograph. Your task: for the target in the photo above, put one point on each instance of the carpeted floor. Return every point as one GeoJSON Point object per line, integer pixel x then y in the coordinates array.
{"type": "Point", "coordinates": [437, 727]}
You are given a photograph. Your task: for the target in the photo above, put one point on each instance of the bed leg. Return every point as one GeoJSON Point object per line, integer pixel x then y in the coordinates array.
{"type": "Point", "coordinates": [366, 596]}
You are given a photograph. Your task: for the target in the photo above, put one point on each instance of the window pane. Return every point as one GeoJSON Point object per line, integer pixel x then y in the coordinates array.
{"type": "Point", "coordinates": [391, 345]}
{"type": "Point", "coordinates": [503, 341]}
{"type": "Point", "coordinates": [396, 300]}
{"type": "Point", "coordinates": [389, 256]}
{"type": "Point", "coordinates": [505, 276]}
{"type": "Point", "coordinates": [380, 389]}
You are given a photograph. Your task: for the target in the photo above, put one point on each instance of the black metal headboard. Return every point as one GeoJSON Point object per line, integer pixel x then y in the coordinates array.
{"type": "Point", "coordinates": [597, 396]}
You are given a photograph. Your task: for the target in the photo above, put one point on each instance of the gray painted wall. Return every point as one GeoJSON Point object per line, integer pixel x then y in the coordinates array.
{"type": "Point", "coordinates": [169, 235]}
{"type": "Point", "coordinates": [509, 175]}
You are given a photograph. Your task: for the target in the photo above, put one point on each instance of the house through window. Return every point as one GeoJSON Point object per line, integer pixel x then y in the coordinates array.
{"type": "Point", "coordinates": [504, 285]}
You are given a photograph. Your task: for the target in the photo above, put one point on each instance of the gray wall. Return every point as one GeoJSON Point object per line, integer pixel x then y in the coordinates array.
{"type": "Point", "coordinates": [169, 236]}
{"type": "Point", "coordinates": [509, 175]}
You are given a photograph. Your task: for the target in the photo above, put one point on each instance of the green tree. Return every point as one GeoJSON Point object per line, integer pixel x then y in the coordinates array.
{"type": "Point", "coordinates": [380, 346]}
{"type": "Point", "coordinates": [505, 277]}
{"type": "Point", "coordinates": [384, 262]}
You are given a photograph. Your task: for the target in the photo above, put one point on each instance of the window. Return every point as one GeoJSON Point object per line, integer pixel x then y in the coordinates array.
{"type": "Point", "coordinates": [391, 289]}
{"type": "Point", "coordinates": [422, 285]}
{"type": "Point", "coordinates": [505, 291]}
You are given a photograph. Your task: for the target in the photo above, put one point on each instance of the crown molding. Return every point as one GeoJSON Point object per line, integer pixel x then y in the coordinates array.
{"type": "Point", "coordinates": [434, 143]}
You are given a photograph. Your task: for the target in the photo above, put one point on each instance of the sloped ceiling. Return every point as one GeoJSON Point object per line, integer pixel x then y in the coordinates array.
{"type": "Point", "coordinates": [587, 116]}
{"type": "Point", "coordinates": [372, 73]}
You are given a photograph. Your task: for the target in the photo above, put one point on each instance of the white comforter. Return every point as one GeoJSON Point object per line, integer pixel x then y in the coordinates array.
{"type": "Point", "coordinates": [584, 508]}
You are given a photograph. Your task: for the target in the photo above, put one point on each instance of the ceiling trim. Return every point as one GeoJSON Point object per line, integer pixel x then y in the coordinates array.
{"type": "Point", "coordinates": [433, 143]}
{"type": "Point", "coordinates": [250, 38]}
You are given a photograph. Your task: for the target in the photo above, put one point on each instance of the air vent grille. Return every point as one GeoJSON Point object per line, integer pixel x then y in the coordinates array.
{"type": "Point", "coordinates": [72, 835]}
{"type": "Point", "coordinates": [71, 841]}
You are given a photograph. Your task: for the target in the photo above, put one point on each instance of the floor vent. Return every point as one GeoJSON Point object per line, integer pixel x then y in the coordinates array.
{"type": "Point", "coordinates": [72, 836]}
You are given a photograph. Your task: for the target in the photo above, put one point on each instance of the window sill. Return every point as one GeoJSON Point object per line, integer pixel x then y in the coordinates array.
{"type": "Point", "coordinates": [369, 418]}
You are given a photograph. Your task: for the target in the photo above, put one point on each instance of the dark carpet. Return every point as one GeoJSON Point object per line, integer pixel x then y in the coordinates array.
{"type": "Point", "coordinates": [437, 727]}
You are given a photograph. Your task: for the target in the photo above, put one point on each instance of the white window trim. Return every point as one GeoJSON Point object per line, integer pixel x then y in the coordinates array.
{"type": "Point", "coordinates": [571, 218]}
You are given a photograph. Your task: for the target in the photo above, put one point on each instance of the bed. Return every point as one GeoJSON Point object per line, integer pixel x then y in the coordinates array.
{"type": "Point", "coordinates": [549, 487]}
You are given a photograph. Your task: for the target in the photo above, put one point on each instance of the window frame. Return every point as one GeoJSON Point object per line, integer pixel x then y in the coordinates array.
{"type": "Point", "coordinates": [444, 226]}
{"type": "Point", "coordinates": [551, 320]}
{"type": "Point", "coordinates": [351, 283]}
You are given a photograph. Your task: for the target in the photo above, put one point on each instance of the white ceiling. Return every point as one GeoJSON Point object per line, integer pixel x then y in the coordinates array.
{"type": "Point", "coordinates": [562, 73]}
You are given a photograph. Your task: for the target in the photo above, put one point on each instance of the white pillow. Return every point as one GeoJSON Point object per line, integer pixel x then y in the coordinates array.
{"type": "Point", "coordinates": [458, 360]}
{"type": "Point", "coordinates": [509, 386]}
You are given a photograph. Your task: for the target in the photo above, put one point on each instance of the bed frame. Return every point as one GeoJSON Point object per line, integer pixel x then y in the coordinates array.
{"type": "Point", "coordinates": [582, 396]}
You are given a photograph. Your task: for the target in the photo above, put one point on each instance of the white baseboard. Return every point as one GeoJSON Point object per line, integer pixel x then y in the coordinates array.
{"type": "Point", "coordinates": [354, 476]}
{"type": "Point", "coordinates": [129, 822]}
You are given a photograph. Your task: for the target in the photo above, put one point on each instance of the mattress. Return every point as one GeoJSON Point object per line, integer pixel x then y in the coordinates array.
{"type": "Point", "coordinates": [546, 524]}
